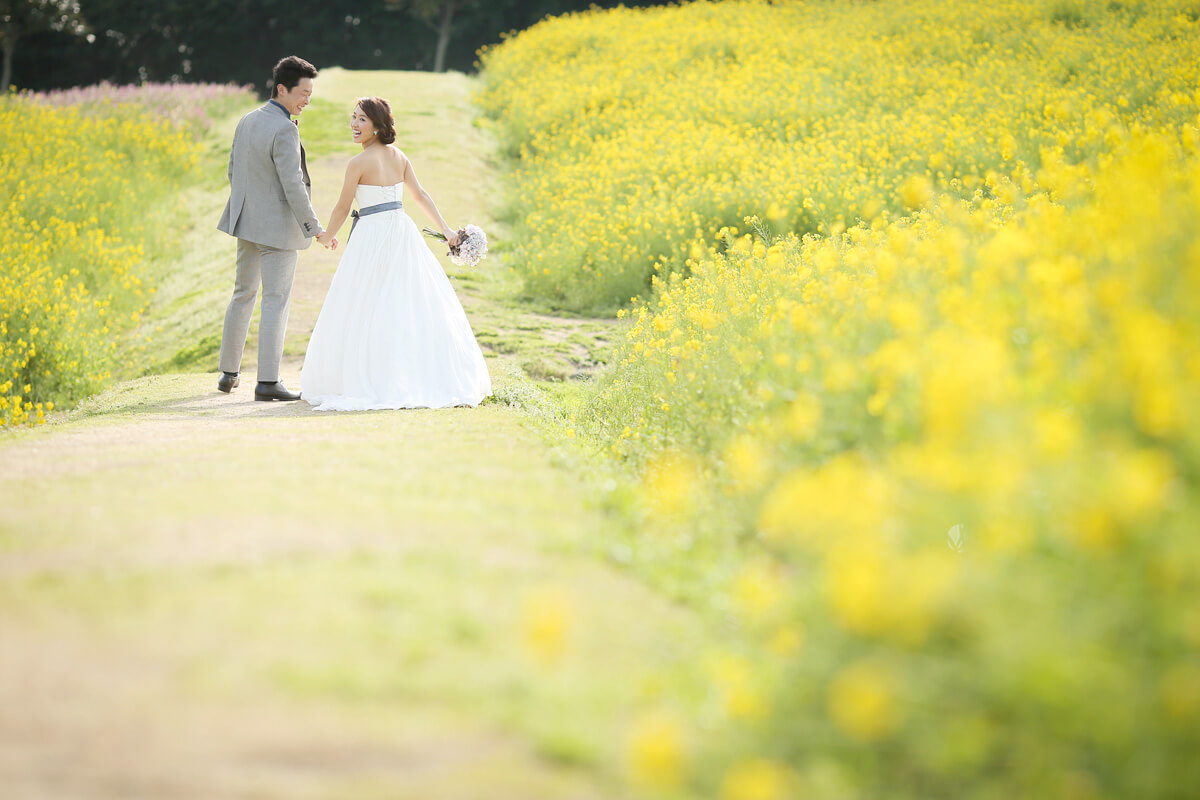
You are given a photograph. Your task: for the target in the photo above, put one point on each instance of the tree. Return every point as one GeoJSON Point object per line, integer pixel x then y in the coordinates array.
{"type": "Point", "coordinates": [239, 40]}
{"type": "Point", "coordinates": [438, 15]}
{"type": "Point", "coordinates": [20, 17]}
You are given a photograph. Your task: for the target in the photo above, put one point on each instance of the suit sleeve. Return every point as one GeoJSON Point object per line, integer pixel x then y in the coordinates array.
{"type": "Point", "coordinates": [237, 137]}
{"type": "Point", "coordinates": [285, 152]}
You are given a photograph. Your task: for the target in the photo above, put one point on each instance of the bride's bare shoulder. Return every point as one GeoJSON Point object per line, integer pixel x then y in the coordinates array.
{"type": "Point", "coordinates": [355, 167]}
{"type": "Point", "coordinates": [399, 160]}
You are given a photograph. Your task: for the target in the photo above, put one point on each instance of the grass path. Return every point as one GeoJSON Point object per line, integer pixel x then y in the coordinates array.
{"type": "Point", "coordinates": [203, 596]}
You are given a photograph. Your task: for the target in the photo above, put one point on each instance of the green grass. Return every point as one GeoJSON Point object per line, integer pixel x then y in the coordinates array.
{"type": "Point", "coordinates": [394, 564]}
{"type": "Point", "coordinates": [363, 562]}
{"type": "Point", "coordinates": [269, 587]}
{"type": "Point", "coordinates": [192, 274]}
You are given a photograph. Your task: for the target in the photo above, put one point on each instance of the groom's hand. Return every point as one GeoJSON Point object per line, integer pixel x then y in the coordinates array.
{"type": "Point", "coordinates": [327, 240]}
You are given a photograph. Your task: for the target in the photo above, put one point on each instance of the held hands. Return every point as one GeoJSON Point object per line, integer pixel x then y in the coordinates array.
{"type": "Point", "coordinates": [327, 240]}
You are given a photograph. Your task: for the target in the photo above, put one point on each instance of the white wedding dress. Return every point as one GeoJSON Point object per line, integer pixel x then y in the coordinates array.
{"type": "Point", "coordinates": [392, 333]}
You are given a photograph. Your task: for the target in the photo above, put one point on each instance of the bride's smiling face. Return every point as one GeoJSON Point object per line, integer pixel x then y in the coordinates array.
{"type": "Point", "coordinates": [361, 126]}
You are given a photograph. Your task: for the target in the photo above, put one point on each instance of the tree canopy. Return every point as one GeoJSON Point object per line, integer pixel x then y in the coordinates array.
{"type": "Point", "coordinates": [239, 40]}
{"type": "Point", "coordinates": [22, 17]}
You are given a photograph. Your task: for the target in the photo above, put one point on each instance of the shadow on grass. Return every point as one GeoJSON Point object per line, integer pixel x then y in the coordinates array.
{"type": "Point", "coordinates": [186, 396]}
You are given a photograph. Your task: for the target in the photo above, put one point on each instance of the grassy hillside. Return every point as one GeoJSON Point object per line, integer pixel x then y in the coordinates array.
{"type": "Point", "coordinates": [214, 597]}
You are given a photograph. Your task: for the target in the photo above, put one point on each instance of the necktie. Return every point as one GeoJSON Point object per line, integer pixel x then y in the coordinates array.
{"type": "Point", "coordinates": [303, 160]}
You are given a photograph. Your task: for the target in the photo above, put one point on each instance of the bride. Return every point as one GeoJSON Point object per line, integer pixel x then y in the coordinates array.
{"type": "Point", "coordinates": [392, 333]}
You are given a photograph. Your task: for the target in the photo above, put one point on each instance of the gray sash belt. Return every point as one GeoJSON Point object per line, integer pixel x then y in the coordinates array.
{"type": "Point", "coordinates": [362, 212]}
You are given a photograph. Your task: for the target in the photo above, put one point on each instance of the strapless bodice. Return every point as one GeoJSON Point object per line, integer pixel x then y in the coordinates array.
{"type": "Point", "coordinates": [370, 195]}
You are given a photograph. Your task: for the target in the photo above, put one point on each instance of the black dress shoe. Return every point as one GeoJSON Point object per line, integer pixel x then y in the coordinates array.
{"type": "Point", "coordinates": [274, 391]}
{"type": "Point", "coordinates": [227, 382]}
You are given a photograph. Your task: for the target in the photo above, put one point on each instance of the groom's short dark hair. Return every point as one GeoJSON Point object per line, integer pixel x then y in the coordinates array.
{"type": "Point", "coordinates": [289, 71]}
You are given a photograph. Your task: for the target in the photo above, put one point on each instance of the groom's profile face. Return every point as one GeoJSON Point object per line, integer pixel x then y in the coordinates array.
{"type": "Point", "coordinates": [296, 98]}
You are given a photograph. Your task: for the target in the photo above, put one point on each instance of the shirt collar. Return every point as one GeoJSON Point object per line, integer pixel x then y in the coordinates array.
{"type": "Point", "coordinates": [280, 106]}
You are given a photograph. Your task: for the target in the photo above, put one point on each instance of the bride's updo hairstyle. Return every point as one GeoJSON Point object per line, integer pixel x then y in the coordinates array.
{"type": "Point", "coordinates": [380, 114]}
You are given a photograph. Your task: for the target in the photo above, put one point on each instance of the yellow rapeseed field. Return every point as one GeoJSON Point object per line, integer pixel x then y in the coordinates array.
{"type": "Point", "coordinates": [642, 131]}
{"type": "Point", "coordinates": [79, 194]}
{"type": "Point", "coordinates": [915, 399]}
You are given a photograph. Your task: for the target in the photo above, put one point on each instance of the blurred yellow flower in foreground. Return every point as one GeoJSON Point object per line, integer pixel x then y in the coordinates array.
{"type": "Point", "coordinates": [916, 191]}
{"type": "Point", "coordinates": [862, 701]}
{"type": "Point", "coordinates": [1180, 690]}
{"type": "Point", "coordinates": [758, 590]}
{"type": "Point", "coordinates": [547, 621]}
{"type": "Point", "coordinates": [655, 750]}
{"type": "Point", "coordinates": [755, 779]}
{"type": "Point", "coordinates": [668, 485]}
{"type": "Point", "coordinates": [955, 407]}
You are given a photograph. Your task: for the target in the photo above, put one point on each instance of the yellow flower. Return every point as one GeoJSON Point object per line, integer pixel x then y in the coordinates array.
{"type": "Point", "coordinates": [748, 462]}
{"type": "Point", "coordinates": [863, 703]}
{"type": "Point", "coordinates": [755, 779]}
{"type": "Point", "coordinates": [668, 484]}
{"type": "Point", "coordinates": [1056, 433]}
{"type": "Point", "coordinates": [786, 641]}
{"type": "Point", "coordinates": [655, 750]}
{"type": "Point", "coordinates": [916, 191]}
{"type": "Point", "coordinates": [1138, 483]}
{"type": "Point", "coordinates": [803, 417]}
{"type": "Point", "coordinates": [547, 621]}
{"type": "Point", "coordinates": [757, 591]}
{"type": "Point", "coordinates": [1179, 689]}
{"type": "Point", "coordinates": [739, 688]}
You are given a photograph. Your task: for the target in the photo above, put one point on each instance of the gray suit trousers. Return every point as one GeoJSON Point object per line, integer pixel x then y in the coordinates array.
{"type": "Point", "coordinates": [274, 269]}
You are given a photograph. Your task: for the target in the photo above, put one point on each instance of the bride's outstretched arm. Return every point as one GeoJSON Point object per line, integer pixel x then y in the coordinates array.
{"type": "Point", "coordinates": [422, 198]}
{"type": "Point", "coordinates": [342, 210]}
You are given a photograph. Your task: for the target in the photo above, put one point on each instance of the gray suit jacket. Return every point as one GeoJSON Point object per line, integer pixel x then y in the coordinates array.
{"type": "Point", "coordinates": [269, 189]}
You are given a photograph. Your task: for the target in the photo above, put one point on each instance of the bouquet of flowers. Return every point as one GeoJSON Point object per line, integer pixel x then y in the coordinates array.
{"type": "Point", "coordinates": [471, 248]}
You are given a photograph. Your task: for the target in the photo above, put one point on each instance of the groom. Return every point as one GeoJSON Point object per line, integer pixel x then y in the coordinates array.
{"type": "Point", "coordinates": [271, 214]}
